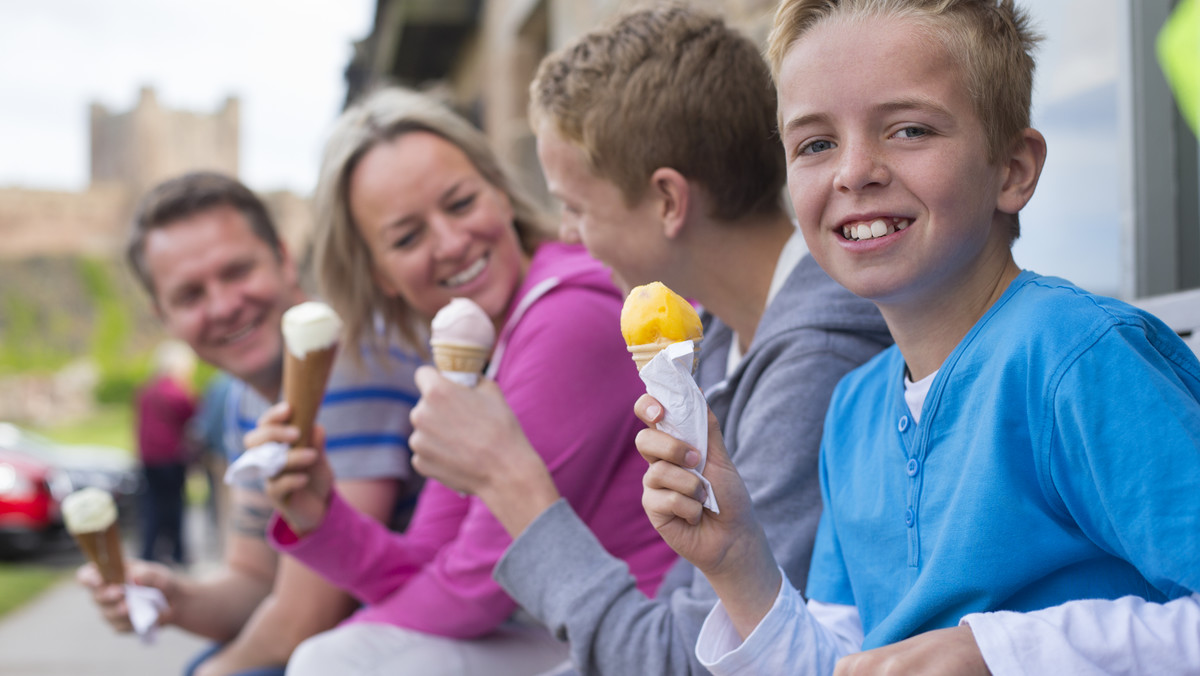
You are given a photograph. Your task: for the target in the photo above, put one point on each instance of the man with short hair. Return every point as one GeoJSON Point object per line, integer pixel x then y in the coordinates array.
{"type": "Point", "coordinates": [220, 279]}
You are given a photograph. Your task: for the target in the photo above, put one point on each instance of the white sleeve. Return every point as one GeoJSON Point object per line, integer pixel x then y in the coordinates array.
{"type": "Point", "coordinates": [1127, 636]}
{"type": "Point", "coordinates": [792, 638]}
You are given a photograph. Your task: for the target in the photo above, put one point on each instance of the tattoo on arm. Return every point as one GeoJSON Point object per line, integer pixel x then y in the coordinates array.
{"type": "Point", "coordinates": [250, 519]}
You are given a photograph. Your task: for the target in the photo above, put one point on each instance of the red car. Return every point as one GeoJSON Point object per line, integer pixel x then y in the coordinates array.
{"type": "Point", "coordinates": [29, 510]}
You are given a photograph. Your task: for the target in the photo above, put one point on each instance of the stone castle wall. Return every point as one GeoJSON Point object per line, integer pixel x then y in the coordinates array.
{"type": "Point", "coordinates": [150, 143]}
{"type": "Point", "coordinates": [130, 152]}
{"type": "Point", "coordinates": [55, 223]}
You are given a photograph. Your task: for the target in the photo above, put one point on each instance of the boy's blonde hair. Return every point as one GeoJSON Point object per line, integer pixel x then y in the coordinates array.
{"type": "Point", "coordinates": [668, 86]}
{"type": "Point", "coordinates": [342, 259]}
{"type": "Point", "coordinates": [992, 40]}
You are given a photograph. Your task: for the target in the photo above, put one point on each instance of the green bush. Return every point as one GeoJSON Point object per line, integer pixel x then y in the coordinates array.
{"type": "Point", "coordinates": [117, 386]}
{"type": "Point", "coordinates": [25, 347]}
{"type": "Point", "coordinates": [111, 330]}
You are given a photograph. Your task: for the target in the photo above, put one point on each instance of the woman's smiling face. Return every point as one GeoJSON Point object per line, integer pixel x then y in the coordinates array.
{"type": "Point", "coordinates": [436, 229]}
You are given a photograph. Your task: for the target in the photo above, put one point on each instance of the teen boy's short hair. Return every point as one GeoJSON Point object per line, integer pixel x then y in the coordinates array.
{"type": "Point", "coordinates": [991, 39]}
{"type": "Point", "coordinates": [668, 87]}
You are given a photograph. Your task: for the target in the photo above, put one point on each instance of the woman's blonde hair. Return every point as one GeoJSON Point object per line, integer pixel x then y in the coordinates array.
{"type": "Point", "coordinates": [342, 260]}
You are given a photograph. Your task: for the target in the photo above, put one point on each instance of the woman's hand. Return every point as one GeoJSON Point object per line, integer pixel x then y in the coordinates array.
{"type": "Point", "coordinates": [301, 490]}
{"type": "Point", "coordinates": [730, 548]}
{"type": "Point", "coordinates": [468, 439]}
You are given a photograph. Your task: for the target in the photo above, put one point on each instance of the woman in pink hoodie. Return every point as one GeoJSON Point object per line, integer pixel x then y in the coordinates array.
{"type": "Point", "coordinates": [414, 211]}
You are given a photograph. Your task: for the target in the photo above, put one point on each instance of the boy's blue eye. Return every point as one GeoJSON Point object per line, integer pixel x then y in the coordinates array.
{"type": "Point", "coordinates": [912, 132]}
{"type": "Point", "coordinates": [814, 147]}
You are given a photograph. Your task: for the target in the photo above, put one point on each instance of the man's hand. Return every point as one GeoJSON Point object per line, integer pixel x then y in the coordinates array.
{"type": "Point", "coordinates": [110, 598]}
{"type": "Point", "coordinates": [302, 488]}
{"type": "Point", "coordinates": [942, 652]}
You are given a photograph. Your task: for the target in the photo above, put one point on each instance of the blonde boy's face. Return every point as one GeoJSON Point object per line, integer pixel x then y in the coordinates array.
{"type": "Point", "coordinates": [887, 163]}
{"type": "Point", "coordinates": [594, 212]}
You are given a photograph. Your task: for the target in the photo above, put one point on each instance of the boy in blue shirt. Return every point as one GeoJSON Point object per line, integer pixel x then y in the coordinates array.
{"type": "Point", "coordinates": [1014, 486]}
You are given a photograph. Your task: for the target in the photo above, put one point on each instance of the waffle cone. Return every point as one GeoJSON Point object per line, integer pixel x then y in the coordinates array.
{"type": "Point", "coordinates": [304, 382]}
{"type": "Point", "coordinates": [103, 548]}
{"type": "Point", "coordinates": [456, 358]}
{"type": "Point", "coordinates": [642, 354]}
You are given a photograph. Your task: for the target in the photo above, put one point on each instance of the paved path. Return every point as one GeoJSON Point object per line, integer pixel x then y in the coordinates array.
{"type": "Point", "coordinates": [61, 633]}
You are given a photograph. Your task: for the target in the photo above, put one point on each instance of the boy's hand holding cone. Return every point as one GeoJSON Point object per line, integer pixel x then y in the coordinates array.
{"type": "Point", "coordinates": [663, 333]}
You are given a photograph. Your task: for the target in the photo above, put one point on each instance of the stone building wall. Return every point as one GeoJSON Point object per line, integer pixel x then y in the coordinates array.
{"type": "Point", "coordinates": [149, 143]}
{"type": "Point", "coordinates": [56, 223]}
{"type": "Point", "coordinates": [130, 152]}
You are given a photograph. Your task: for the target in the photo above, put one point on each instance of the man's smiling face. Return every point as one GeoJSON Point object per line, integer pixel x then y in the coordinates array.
{"type": "Point", "coordinates": [223, 290]}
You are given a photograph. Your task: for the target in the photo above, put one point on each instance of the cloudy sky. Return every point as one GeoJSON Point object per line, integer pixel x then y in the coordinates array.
{"type": "Point", "coordinates": [283, 59]}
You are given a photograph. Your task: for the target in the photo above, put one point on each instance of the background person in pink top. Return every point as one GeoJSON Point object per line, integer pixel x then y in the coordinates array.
{"type": "Point", "coordinates": [414, 211]}
{"type": "Point", "coordinates": [164, 407]}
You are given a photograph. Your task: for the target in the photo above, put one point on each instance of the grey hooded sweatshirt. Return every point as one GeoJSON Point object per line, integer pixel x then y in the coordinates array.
{"type": "Point", "coordinates": [771, 409]}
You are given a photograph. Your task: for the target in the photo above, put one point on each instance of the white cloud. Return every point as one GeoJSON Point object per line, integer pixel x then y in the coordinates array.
{"type": "Point", "coordinates": [284, 59]}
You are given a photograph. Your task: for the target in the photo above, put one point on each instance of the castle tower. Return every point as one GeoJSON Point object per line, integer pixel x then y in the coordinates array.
{"type": "Point", "coordinates": [141, 147]}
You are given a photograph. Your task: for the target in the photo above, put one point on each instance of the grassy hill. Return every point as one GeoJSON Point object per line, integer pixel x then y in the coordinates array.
{"type": "Point", "coordinates": [56, 310]}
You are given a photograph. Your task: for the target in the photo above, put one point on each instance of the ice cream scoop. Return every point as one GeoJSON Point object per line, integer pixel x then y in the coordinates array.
{"type": "Point", "coordinates": [310, 326]}
{"type": "Point", "coordinates": [663, 333]}
{"type": "Point", "coordinates": [462, 336]}
{"type": "Point", "coordinates": [90, 516]}
{"type": "Point", "coordinates": [310, 332]}
{"type": "Point", "coordinates": [654, 317]}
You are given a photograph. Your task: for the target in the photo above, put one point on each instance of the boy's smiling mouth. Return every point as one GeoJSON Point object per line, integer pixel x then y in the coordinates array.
{"type": "Point", "coordinates": [873, 229]}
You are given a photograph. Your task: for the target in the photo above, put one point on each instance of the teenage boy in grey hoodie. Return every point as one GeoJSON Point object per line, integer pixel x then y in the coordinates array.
{"type": "Point", "coordinates": [658, 136]}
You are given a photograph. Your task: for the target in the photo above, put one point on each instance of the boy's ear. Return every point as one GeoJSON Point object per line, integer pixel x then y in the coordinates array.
{"type": "Point", "coordinates": [1021, 170]}
{"type": "Point", "coordinates": [672, 196]}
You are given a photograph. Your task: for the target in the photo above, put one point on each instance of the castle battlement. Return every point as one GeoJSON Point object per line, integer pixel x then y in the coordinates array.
{"type": "Point", "coordinates": [130, 152]}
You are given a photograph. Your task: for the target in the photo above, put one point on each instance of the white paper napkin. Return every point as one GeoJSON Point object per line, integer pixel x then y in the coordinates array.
{"type": "Point", "coordinates": [145, 605]}
{"type": "Point", "coordinates": [259, 463]}
{"type": "Point", "coordinates": [668, 378]}
{"type": "Point", "coordinates": [461, 377]}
